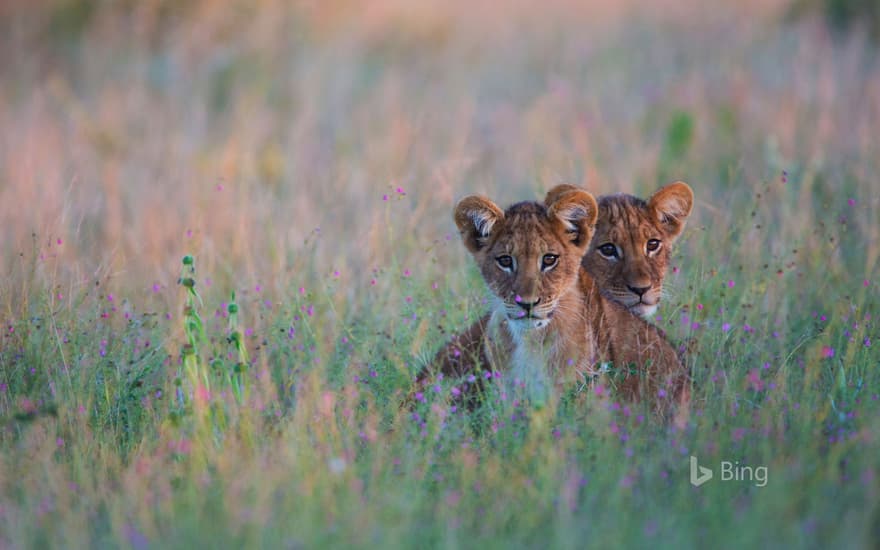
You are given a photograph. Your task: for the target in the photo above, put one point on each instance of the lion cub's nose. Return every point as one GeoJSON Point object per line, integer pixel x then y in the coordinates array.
{"type": "Point", "coordinates": [526, 305]}
{"type": "Point", "coordinates": [639, 290]}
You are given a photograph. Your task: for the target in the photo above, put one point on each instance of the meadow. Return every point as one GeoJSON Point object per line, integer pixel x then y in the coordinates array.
{"type": "Point", "coordinates": [226, 248]}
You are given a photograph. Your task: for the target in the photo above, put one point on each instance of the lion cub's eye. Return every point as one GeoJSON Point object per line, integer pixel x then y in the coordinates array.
{"type": "Point", "coordinates": [653, 244]}
{"type": "Point", "coordinates": [549, 260]}
{"type": "Point", "coordinates": [504, 262]}
{"type": "Point", "coordinates": [608, 250]}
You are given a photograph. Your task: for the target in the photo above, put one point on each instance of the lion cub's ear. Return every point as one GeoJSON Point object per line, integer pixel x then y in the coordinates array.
{"type": "Point", "coordinates": [475, 217]}
{"type": "Point", "coordinates": [672, 205]}
{"type": "Point", "coordinates": [554, 194]}
{"type": "Point", "coordinates": [574, 211]}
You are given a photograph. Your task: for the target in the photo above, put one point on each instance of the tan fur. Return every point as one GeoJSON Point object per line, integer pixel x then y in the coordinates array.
{"type": "Point", "coordinates": [571, 329]}
{"type": "Point", "coordinates": [634, 276]}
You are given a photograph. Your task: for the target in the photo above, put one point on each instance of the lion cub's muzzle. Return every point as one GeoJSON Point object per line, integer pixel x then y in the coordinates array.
{"type": "Point", "coordinates": [643, 308]}
{"type": "Point", "coordinates": [530, 314]}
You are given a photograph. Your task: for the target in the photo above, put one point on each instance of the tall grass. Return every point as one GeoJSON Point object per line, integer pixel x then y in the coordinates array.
{"type": "Point", "coordinates": [306, 158]}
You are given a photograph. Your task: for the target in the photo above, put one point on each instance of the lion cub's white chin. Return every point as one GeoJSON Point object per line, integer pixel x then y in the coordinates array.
{"type": "Point", "coordinates": [645, 311]}
{"type": "Point", "coordinates": [523, 324]}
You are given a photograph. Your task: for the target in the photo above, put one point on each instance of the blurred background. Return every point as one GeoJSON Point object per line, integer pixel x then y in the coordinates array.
{"type": "Point", "coordinates": [132, 132]}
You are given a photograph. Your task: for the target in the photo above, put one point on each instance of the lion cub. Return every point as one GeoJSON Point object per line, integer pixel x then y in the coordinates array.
{"type": "Point", "coordinates": [550, 323]}
{"type": "Point", "coordinates": [629, 253]}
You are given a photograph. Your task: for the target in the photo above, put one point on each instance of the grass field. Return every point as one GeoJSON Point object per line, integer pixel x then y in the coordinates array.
{"type": "Point", "coordinates": [305, 158]}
